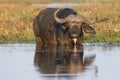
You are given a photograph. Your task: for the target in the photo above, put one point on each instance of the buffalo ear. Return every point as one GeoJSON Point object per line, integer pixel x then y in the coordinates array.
{"type": "Point", "coordinates": [88, 29]}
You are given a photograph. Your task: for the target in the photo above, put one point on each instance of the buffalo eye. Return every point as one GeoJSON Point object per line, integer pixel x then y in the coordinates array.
{"type": "Point", "coordinates": [65, 27]}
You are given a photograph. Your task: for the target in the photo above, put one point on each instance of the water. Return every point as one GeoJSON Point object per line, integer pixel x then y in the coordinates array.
{"type": "Point", "coordinates": [95, 61]}
{"type": "Point", "coordinates": [62, 4]}
{"type": "Point", "coordinates": [57, 4]}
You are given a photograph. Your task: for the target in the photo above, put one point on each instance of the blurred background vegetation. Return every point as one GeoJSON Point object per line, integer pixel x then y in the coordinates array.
{"type": "Point", "coordinates": [16, 18]}
{"type": "Point", "coordinates": [57, 1]}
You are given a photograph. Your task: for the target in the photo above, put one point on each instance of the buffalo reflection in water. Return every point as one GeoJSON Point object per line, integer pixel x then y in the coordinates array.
{"type": "Point", "coordinates": [61, 60]}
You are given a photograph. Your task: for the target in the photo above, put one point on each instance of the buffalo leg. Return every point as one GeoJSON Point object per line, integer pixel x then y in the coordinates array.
{"type": "Point", "coordinates": [38, 43]}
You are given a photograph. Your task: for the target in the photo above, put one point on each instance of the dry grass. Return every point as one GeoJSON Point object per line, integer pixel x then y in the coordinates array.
{"type": "Point", "coordinates": [16, 21]}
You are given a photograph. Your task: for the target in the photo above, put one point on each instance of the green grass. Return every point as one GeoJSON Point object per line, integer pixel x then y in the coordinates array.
{"type": "Point", "coordinates": [102, 38]}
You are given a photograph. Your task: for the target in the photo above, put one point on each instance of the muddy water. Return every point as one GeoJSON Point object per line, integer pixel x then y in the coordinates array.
{"type": "Point", "coordinates": [95, 61]}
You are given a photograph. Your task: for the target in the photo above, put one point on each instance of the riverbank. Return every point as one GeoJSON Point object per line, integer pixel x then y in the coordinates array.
{"type": "Point", "coordinates": [16, 21]}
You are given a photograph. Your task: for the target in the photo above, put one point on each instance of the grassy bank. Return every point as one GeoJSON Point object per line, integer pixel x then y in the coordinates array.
{"type": "Point", "coordinates": [16, 21]}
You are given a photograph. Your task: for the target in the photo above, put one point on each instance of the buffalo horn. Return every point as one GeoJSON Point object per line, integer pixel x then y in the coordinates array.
{"type": "Point", "coordinates": [58, 19]}
{"type": "Point", "coordinates": [91, 21]}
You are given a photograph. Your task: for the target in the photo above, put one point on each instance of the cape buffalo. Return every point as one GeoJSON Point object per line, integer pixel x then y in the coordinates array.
{"type": "Point", "coordinates": [60, 26]}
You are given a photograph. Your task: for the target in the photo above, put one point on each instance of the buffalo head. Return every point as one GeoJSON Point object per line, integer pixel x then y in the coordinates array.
{"type": "Point", "coordinates": [74, 25]}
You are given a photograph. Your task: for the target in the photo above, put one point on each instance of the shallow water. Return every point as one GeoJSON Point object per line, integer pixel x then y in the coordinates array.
{"type": "Point", "coordinates": [95, 61]}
